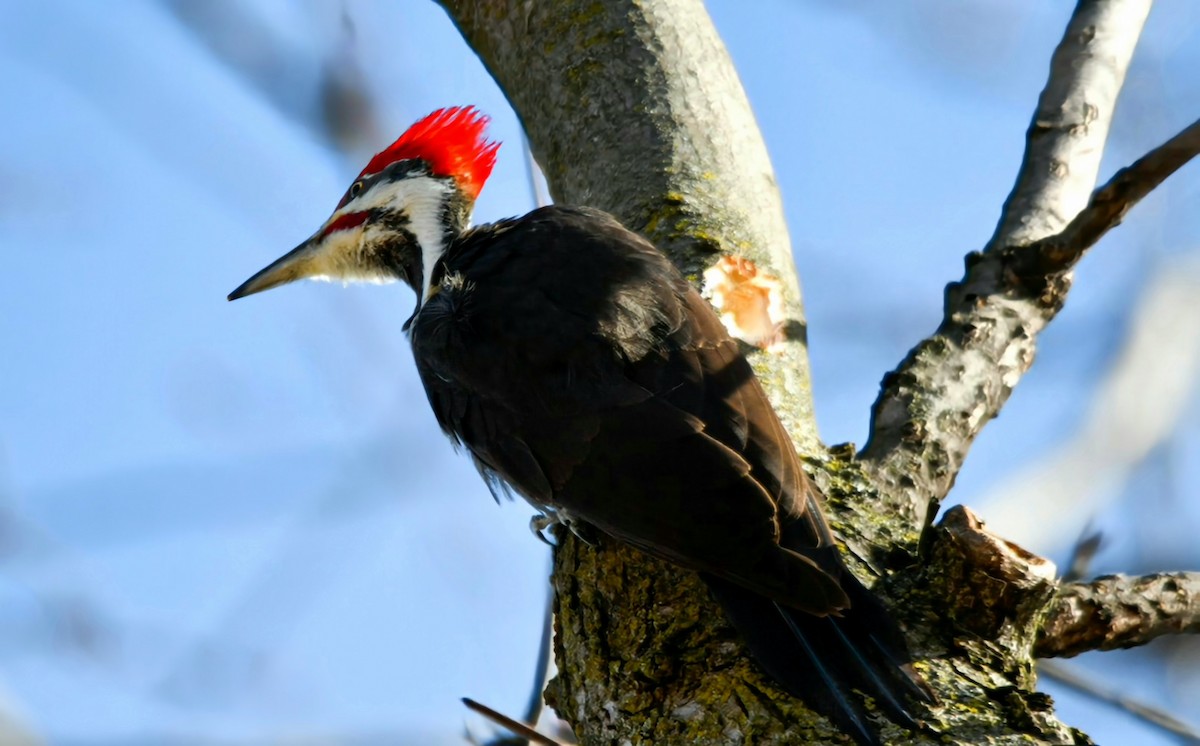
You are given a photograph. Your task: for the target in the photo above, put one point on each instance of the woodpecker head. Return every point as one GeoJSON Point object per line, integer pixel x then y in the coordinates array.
{"type": "Point", "coordinates": [401, 212]}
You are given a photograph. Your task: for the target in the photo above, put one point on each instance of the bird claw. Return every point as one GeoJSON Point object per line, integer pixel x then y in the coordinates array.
{"type": "Point", "coordinates": [540, 523]}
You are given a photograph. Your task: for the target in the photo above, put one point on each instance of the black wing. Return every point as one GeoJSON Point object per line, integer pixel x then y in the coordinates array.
{"type": "Point", "coordinates": [572, 360]}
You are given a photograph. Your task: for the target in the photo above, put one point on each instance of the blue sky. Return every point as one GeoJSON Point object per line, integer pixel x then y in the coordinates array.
{"type": "Point", "coordinates": [239, 523]}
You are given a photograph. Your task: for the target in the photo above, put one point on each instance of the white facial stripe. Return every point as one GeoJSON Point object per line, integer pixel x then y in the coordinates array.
{"type": "Point", "coordinates": [422, 198]}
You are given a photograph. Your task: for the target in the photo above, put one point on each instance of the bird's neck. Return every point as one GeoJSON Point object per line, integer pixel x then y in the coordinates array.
{"type": "Point", "coordinates": [434, 233]}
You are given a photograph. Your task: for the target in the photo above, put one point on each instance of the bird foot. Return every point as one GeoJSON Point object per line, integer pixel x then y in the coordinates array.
{"type": "Point", "coordinates": [541, 523]}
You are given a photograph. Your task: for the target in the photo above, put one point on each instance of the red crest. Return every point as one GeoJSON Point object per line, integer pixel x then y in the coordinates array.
{"type": "Point", "coordinates": [451, 141]}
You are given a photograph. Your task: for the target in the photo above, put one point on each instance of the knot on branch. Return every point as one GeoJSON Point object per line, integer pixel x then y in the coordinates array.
{"type": "Point", "coordinates": [989, 586]}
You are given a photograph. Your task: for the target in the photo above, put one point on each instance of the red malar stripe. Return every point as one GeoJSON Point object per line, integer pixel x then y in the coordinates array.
{"type": "Point", "coordinates": [345, 222]}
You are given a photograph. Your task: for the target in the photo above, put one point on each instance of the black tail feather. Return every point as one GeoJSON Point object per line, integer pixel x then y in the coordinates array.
{"type": "Point", "coordinates": [847, 713]}
{"type": "Point", "coordinates": [881, 685]}
{"type": "Point", "coordinates": [869, 627]}
{"type": "Point", "coordinates": [820, 659]}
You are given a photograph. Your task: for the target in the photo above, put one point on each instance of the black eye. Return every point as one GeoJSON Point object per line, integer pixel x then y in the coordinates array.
{"type": "Point", "coordinates": [356, 189]}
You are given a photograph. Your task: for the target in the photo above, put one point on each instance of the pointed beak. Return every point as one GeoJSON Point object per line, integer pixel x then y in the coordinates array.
{"type": "Point", "coordinates": [297, 264]}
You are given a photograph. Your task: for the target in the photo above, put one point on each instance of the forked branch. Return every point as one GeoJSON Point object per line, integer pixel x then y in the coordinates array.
{"type": "Point", "coordinates": [935, 403]}
{"type": "Point", "coordinates": [1109, 205]}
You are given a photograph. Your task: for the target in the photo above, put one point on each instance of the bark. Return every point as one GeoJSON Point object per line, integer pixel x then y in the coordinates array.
{"type": "Point", "coordinates": [937, 401]}
{"type": "Point", "coordinates": [1119, 612]}
{"type": "Point", "coordinates": [633, 106]}
{"type": "Point", "coordinates": [1108, 206]}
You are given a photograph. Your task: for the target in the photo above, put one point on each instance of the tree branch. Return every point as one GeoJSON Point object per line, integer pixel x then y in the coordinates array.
{"type": "Point", "coordinates": [1150, 373]}
{"type": "Point", "coordinates": [1115, 611]}
{"type": "Point", "coordinates": [935, 403]}
{"type": "Point", "coordinates": [1108, 206]}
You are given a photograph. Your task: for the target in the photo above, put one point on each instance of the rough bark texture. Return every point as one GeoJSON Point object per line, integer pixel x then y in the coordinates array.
{"type": "Point", "coordinates": [937, 401]}
{"type": "Point", "coordinates": [633, 106]}
{"type": "Point", "coordinates": [1119, 612]}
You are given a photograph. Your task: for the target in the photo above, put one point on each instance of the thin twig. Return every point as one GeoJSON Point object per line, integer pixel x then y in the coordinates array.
{"type": "Point", "coordinates": [542, 667]}
{"type": "Point", "coordinates": [1144, 712]}
{"type": "Point", "coordinates": [509, 724]}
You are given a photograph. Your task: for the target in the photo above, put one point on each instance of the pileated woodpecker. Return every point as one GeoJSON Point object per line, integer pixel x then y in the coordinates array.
{"type": "Point", "coordinates": [582, 371]}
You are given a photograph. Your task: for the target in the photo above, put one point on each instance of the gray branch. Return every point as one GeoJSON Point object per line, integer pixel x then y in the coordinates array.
{"type": "Point", "coordinates": [937, 401]}
{"type": "Point", "coordinates": [1108, 207]}
{"type": "Point", "coordinates": [1119, 612]}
